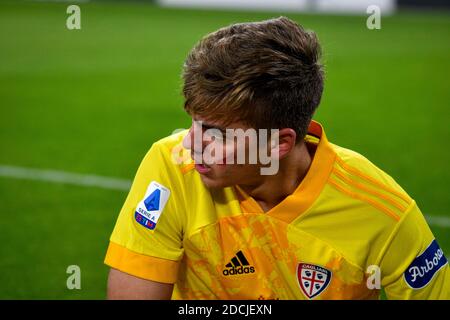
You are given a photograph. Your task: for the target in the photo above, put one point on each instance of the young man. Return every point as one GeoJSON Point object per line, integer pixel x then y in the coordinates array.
{"type": "Point", "coordinates": [317, 221]}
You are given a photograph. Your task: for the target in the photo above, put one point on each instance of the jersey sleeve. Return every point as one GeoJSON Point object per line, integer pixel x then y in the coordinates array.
{"type": "Point", "coordinates": [413, 266]}
{"type": "Point", "coordinates": [147, 239]}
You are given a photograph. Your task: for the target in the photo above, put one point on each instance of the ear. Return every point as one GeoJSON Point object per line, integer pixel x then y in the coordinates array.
{"type": "Point", "coordinates": [283, 142]}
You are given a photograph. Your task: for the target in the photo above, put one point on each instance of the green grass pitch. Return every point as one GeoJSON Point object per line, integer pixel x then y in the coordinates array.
{"type": "Point", "coordinates": [93, 101]}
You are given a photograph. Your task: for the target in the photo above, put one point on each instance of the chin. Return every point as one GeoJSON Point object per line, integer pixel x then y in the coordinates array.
{"type": "Point", "coordinates": [215, 183]}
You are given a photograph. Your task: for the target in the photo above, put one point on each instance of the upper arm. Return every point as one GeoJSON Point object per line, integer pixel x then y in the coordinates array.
{"type": "Point", "coordinates": [147, 238]}
{"type": "Point", "coordinates": [122, 286]}
{"type": "Point", "coordinates": [413, 266]}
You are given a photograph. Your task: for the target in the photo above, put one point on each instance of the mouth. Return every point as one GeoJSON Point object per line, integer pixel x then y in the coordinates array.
{"type": "Point", "coordinates": [200, 166]}
{"type": "Point", "coordinates": [202, 169]}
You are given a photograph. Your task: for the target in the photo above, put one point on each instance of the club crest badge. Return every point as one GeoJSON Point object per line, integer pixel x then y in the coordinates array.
{"type": "Point", "coordinates": [312, 279]}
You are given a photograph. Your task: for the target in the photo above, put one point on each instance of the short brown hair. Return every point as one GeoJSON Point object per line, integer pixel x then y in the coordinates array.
{"type": "Point", "coordinates": [266, 74]}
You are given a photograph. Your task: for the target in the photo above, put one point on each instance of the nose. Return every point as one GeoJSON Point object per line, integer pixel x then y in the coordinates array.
{"type": "Point", "coordinates": [194, 142]}
{"type": "Point", "coordinates": [188, 140]}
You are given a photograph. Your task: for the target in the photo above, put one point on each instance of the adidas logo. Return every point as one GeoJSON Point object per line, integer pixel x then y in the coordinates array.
{"type": "Point", "coordinates": [238, 265]}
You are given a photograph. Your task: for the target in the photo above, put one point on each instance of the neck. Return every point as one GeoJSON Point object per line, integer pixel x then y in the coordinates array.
{"type": "Point", "coordinates": [271, 190]}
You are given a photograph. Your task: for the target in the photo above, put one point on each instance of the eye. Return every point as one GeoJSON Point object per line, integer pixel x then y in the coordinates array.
{"type": "Point", "coordinates": [214, 134]}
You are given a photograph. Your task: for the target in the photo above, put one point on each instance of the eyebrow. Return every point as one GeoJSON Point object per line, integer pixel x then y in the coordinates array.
{"type": "Point", "coordinates": [210, 126]}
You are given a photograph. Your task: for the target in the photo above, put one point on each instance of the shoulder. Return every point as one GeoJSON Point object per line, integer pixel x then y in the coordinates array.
{"type": "Point", "coordinates": [165, 163]}
{"type": "Point", "coordinates": [168, 154]}
{"type": "Point", "coordinates": [359, 208]}
{"type": "Point", "coordinates": [354, 176]}
{"type": "Point", "coordinates": [170, 145]}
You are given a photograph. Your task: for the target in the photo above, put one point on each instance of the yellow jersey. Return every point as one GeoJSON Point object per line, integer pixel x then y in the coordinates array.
{"type": "Point", "coordinates": [346, 231]}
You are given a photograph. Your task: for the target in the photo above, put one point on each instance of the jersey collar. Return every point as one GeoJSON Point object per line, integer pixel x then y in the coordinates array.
{"type": "Point", "coordinates": [310, 187]}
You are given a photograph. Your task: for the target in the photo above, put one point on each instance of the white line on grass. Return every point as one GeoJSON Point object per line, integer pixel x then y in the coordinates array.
{"type": "Point", "coordinates": [88, 180]}
{"type": "Point", "coordinates": [77, 179]}
{"type": "Point", "coordinates": [438, 221]}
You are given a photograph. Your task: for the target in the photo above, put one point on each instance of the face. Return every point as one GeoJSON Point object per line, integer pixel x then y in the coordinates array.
{"type": "Point", "coordinates": [223, 158]}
